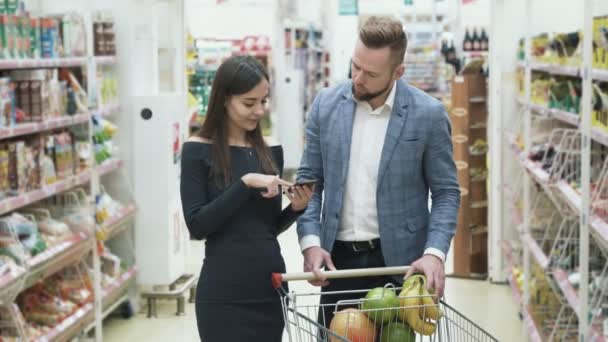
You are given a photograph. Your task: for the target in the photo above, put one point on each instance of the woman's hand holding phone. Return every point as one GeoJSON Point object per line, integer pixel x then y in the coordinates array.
{"type": "Point", "coordinates": [268, 184]}
{"type": "Point", "coordinates": [300, 194]}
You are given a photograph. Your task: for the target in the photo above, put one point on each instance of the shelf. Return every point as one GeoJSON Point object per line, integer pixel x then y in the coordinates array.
{"type": "Point", "coordinates": [115, 289]}
{"type": "Point", "coordinates": [472, 54]}
{"type": "Point", "coordinates": [480, 204]}
{"type": "Point", "coordinates": [28, 63]}
{"type": "Point", "coordinates": [556, 69]}
{"type": "Point", "coordinates": [107, 110]}
{"type": "Point", "coordinates": [567, 289]}
{"type": "Point", "coordinates": [117, 224]}
{"type": "Point", "coordinates": [108, 166]}
{"type": "Point", "coordinates": [10, 283]}
{"type": "Point", "coordinates": [36, 127]}
{"type": "Point", "coordinates": [537, 172]}
{"type": "Point", "coordinates": [598, 226]}
{"type": "Point", "coordinates": [477, 99]}
{"type": "Point", "coordinates": [479, 230]}
{"type": "Point", "coordinates": [105, 60]}
{"type": "Point", "coordinates": [70, 326]}
{"type": "Point", "coordinates": [533, 332]}
{"type": "Point", "coordinates": [569, 118]}
{"type": "Point", "coordinates": [539, 110]}
{"type": "Point", "coordinates": [536, 251]}
{"type": "Point", "coordinates": [599, 135]}
{"type": "Point", "coordinates": [13, 203]}
{"type": "Point", "coordinates": [600, 74]}
{"type": "Point", "coordinates": [57, 257]}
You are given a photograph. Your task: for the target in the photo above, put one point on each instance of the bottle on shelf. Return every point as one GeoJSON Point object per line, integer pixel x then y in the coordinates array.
{"type": "Point", "coordinates": [467, 44]}
{"type": "Point", "coordinates": [485, 42]}
{"type": "Point", "coordinates": [476, 41]}
{"type": "Point", "coordinates": [444, 48]}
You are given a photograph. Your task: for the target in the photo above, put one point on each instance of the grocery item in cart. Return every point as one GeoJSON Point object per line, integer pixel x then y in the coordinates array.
{"type": "Point", "coordinates": [354, 325]}
{"type": "Point", "coordinates": [418, 317]}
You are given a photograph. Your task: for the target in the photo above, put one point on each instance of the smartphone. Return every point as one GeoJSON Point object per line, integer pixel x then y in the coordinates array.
{"type": "Point", "coordinates": [309, 183]}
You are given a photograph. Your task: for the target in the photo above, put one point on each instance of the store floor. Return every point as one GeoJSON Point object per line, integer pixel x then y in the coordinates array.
{"type": "Point", "coordinates": [490, 306]}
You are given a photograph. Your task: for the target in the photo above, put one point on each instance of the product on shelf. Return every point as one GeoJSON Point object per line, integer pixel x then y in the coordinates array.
{"type": "Point", "coordinates": [39, 95]}
{"type": "Point", "coordinates": [475, 42]}
{"type": "Point", "coordinates": [48, 37]}
{"type": "Point", "coordinates": [103, 132]}
{"type": "Point", "coordinates": [103, 35]}
{"type": "Point", "coordinates": [559, 48]}
{"type": "Point", "coordinates": [600, 106]}
{"type": "Point", "coordinates": [73, 209]}
{"type": "Point", "coordinates": [107, 90]}
{"type": "Point", "coordinates": [106, 207]}
{"type": "Point", "coordinates": [47, 304]}
{"type": "Point", "coordinates": [600, 40]}
{"type": "Point", "coordinates": [26, 231]}
{"type": "Point", "coordinates": [11, 249]}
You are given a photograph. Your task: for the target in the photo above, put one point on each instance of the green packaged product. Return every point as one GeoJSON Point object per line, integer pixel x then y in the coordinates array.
{"type": "Point", "coordinates": [35, 38]}
{"type": "Point", "coordinates": [4, 36]}
{"type": "Point", "coordinates": [11, 6]}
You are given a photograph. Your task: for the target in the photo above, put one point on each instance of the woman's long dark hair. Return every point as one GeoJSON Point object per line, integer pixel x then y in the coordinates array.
{"type": "Point", "coordinates": [236, 76]}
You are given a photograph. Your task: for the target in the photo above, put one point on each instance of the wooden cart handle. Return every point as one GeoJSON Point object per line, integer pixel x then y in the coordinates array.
{"type": "Point", "coordinates": [278, 278]}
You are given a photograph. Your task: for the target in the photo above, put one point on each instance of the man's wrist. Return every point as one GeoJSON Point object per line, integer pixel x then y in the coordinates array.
{"type": "Point", "coordinates": [309, 241]}
{"type": "Point", "coordinates": [436, 253]}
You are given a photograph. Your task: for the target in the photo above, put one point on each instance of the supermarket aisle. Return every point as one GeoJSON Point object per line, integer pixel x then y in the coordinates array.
{"type": "Point", "coordinates": [491, 306]}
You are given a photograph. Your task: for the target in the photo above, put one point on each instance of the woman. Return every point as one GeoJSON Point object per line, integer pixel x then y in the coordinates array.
{"type": "Point", "coordinates": [231, 197]}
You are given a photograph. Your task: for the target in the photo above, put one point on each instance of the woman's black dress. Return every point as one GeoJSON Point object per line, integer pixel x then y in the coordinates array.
{"type": "Point", "coordinates": [235, 300]}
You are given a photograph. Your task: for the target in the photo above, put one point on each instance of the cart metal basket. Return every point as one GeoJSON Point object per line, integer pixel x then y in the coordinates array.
{"type": "Point", "coordinates": [410, 320]}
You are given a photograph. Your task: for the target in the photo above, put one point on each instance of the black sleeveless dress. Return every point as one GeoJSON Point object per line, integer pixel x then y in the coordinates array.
{"type": "Point", "coordinates": [235, 300]}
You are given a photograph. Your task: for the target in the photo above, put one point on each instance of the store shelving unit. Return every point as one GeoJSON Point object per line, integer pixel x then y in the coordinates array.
{"type": "Point", "coordinates": [561, 226]}
{"type": "Point", "coordinates": [80, 246]}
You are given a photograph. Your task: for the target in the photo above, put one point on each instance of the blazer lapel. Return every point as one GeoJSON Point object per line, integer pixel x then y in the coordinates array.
{"type": "Point", "coordinates": [345, 132]}
{"type": "Point", "coordinates": [395, 127]}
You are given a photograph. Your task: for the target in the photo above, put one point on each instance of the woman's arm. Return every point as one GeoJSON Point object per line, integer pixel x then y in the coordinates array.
{"type": "Point", "coordinates": [204, 216]}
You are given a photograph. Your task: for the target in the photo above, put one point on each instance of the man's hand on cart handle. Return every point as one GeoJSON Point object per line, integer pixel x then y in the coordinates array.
{"type": "Point", "coordinates": [315, 258]}
{"type": "Point", "coordinates": [433, 269]}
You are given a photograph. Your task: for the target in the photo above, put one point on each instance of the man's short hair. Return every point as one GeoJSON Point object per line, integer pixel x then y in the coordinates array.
{"type": "Point", "coordinates": [382, 31]}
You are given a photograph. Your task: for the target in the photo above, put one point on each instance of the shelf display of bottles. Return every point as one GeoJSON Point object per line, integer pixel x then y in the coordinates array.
{"type": "Point", "coordinates": [476, 41]}
{"type": "Point", "coordinates": [45, 37]}
{"type": "Point", "coordinates": [600, 40]}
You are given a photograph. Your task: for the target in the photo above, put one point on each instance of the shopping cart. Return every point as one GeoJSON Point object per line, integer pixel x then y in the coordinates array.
{"type": "Point", "coordinates": [359, 323]}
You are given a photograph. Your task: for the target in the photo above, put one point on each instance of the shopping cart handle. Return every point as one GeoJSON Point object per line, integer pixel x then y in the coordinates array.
{"type": "Point", "coordinates": [278, 278]}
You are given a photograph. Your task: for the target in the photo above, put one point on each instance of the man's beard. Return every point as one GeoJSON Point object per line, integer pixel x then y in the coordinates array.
{"type": "Point", "coordinates": [370, 96]}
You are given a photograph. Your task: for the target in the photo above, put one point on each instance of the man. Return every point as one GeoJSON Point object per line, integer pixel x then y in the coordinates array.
{"type": "Point", "coordinates": [377, 147]}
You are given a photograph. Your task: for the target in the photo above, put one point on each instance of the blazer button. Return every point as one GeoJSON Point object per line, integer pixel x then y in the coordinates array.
{"type": "Point", "coordinates": [337, 216]}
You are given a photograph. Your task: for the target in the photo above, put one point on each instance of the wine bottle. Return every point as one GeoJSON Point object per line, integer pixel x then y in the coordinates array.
{"type": "Point", "coordinates": [467, 44]}
{"type": "Point", "coordinates": [444, 48]}
{"type": "Point", "coordinates": [476, 41]}
{"type": "Point", "coordinates": [484, 40]}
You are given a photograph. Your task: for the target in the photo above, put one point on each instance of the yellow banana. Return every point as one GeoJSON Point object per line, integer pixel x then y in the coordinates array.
{"type": "Point", "coordinates": [408, 302]}
{"type": "Point", "coordinates": [410, 311]}
{"type": "Point", "coordinates": [429, 309]}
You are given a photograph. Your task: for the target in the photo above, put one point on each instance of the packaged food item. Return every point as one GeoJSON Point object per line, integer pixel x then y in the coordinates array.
{"type": "Point", "coordinates": [16, 169]}
{"type": "Point", "coordinates": [4, 173]}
